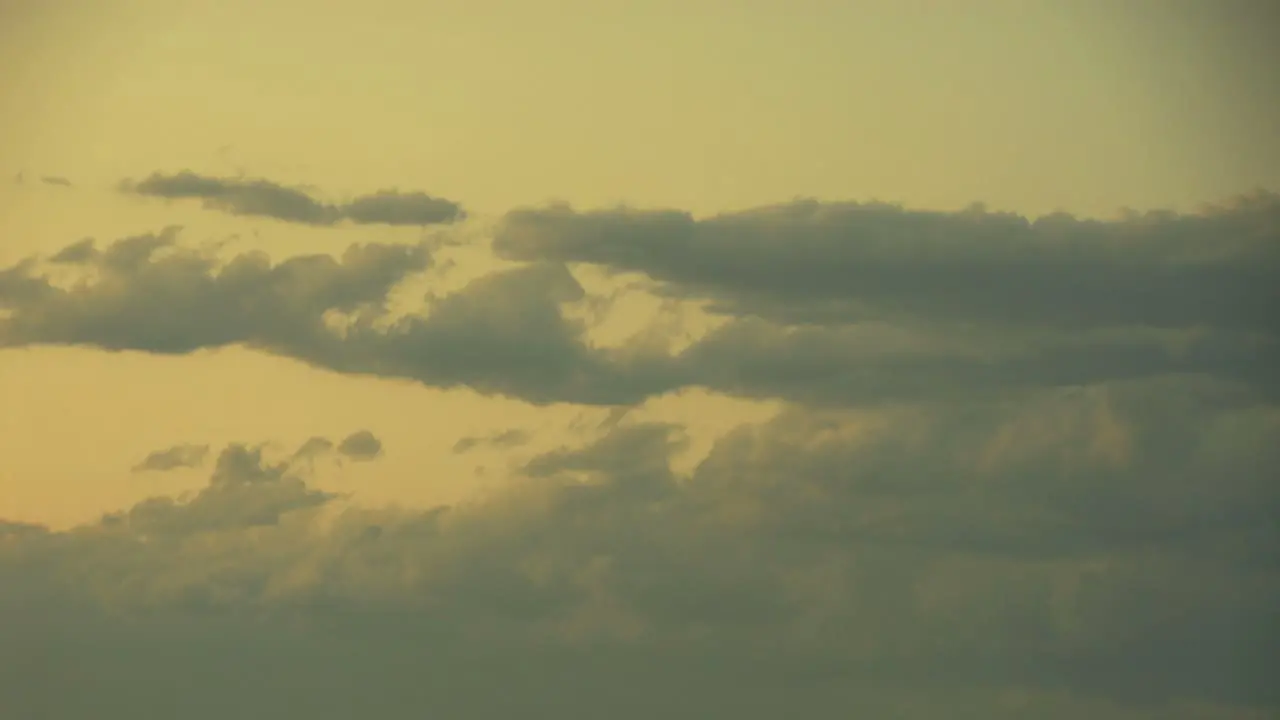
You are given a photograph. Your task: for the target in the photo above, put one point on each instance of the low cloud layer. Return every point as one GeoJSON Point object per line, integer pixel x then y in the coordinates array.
{"type": "Point", "coordinates": [1104, 553]}
{"type": "Point", "coordinates": [264, 198]}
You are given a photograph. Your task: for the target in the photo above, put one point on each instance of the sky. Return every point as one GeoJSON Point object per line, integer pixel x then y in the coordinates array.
{"type": "Point", "coordinates": [638, 359]}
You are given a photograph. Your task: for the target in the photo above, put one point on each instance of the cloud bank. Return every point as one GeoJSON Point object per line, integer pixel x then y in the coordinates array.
{"type": "Point", "coordinates": [1107, 551]}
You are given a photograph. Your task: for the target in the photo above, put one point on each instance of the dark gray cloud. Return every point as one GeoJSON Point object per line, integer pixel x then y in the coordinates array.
{"type": "Point", "coordinates": [812, 262]}
{"type": "Point", "coordinates": [174, 458]}
{"type": "Point", "coordinates": [361, 445]}
{"type": "Point", "coordinates": [503, 333]}
{"type": "Point", "coordinates": [508, 333]}
{"type": "Point", "coordinates": [153, 295]}
{"type": "Point", "coordinates": [1102, 552]}
{"type": "Point", "coordinates": [264, 198]}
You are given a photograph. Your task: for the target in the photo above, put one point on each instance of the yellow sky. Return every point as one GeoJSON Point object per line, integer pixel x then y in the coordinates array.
{"type": "Point", "coordinates": [703, 105]}
{"type": "Point", "coordinates": [707, 104]}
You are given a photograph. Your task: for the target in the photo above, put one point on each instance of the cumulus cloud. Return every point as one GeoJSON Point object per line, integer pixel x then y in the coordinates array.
{"type": "Point", "coordinates": [1102, 552]}
{"type": "Point", "coordinates": [265, 198]}
{"type": "Point", "coordinates": [174, 458]}
{"type": "Point", "coordinates": [360, 445]}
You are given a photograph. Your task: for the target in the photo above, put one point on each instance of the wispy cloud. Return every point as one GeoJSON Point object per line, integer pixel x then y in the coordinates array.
{"type": "Point", "coordinates": [174, 458]}
{"type": "Point", "coordinates": [512, 437]}
{"type": "Point", "coordinates": [264, 198]}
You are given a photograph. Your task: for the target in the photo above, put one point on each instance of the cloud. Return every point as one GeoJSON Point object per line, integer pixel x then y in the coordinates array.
{"type": "Point", "coordinates": [174, 458]}
{"type": "Point", "coordinates": [391, 207]}
{"type": "Point", "coordinates": [511, 333]}
{"type": "Point", "coordinates": [823, 263]}
{"type": "Point", "coordinates": [16, 530]}
{"type": "Point", "coordinates": [1017, 468]}
{"type": "Point", "coordinates": [512, 437]}
{"type": "Point", "coordinates": [78, 253]}
{"type": "Point", "coordinates": [504, 333]}
{"type": "Point", "coordinates": [264, 198]}
{"type": "Point", "coordinates": [244, 491]}
{"type": "Point", "coordinates": [153, 295]}
{"type": "Point", "coordinates": [361, 445]}
{"type": "Point", "coordinates": [313, 448]}
{"type": "Point", "coordinates": [1100, 551]}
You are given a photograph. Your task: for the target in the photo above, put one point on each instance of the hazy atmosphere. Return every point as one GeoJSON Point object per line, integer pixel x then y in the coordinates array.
{"type": "Point", "coordinates": [481, 359]}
